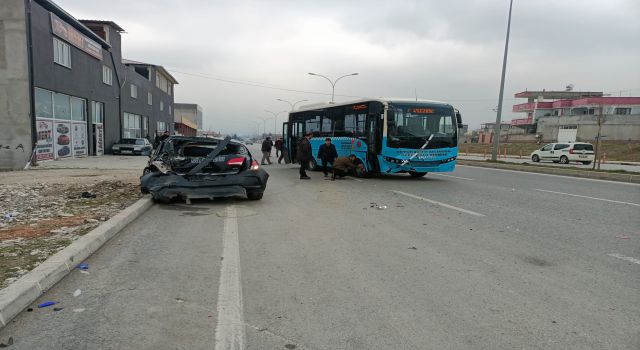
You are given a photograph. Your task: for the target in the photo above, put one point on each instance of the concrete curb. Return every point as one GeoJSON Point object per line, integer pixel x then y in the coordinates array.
{"type": "Point", "coordinates": [620, 177]}
{"type": "Point", "coordinates": [20, 294]}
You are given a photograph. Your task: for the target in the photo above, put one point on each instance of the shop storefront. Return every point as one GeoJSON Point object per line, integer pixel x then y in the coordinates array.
{"type": "Point", "coordinates": [61, 125]}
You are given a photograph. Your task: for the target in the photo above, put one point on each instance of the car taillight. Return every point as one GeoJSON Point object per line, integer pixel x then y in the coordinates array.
{"type": "Point", "coordinates": [235, 161]}
{"type": "Point", "coordinates": [255, 165]}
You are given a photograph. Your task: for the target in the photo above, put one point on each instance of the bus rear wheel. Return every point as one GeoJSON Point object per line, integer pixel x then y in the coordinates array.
{"type": "Point", "coordinates": [417, 174]}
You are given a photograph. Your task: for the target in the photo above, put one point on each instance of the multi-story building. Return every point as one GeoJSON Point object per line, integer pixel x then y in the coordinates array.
{"type": "Point", "coordinates": [65, 90]}
{"type": "Point", "coordinates": [575, 115]}
{"type": "Point", "coordinates": [187, 119]}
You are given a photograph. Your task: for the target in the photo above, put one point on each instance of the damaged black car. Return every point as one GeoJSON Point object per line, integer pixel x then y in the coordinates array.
{"type": "Point", "coordinates": [198, 167]}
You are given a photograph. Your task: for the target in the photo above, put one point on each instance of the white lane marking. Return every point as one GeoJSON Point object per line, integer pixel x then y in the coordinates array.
{"type": "Point", "coordinates": [541, 174]}
{"type": "Point", "coordinates": [353, 178]}
{"type": "Point", "coordinates": [455, 177]}
{"type": "Point", "coordinates": [596, 198]}
{"type": "Point", "coordinates": [439, 203]}
{"type": "Point", "coordinates": [625, 258]}
{"type": "Point", "coordinates": [230, 332]}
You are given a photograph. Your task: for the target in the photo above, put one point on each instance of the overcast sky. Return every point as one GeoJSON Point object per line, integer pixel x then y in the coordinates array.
{"type": "Point", "coordinates": [445, 50]}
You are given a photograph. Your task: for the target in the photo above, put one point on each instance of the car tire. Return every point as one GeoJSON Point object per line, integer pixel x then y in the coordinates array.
{"type": "Point", "coordinates": [564, 160]}
{"type": "Point", "coordinates": [586, 163]}
{"type": "Point", "coordinates": [535, 158]}
{"type": "Point", "coordinates": [417, 174]}
{"type": "Point", "coordinates": [254, 196]}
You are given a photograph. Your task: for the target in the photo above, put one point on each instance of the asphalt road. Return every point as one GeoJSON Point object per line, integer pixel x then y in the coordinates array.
{"type": "Point", "coordinates": [474, 259]}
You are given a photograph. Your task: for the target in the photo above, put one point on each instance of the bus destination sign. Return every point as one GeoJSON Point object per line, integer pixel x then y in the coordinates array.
{"type": "Point", "coordinates": [423, 111]}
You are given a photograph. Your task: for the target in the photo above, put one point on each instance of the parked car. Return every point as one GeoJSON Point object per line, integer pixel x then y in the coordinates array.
{"type": "Point", "coordinates": [565, 152]}
{"type": "Point", "coordinates": [140, 146]}
{"type": "Point", "coordinates": [197, 167]}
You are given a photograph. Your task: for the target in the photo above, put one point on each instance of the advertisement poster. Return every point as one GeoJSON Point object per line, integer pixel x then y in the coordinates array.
{"type": "Point", "coordinates": [79, 139]}
{"type": "Point", "coordinates": [62, 139]}
{"type": "Point", "coordinates": [99, 135]}
{"type": "Point", "coordinates": [44, 145]}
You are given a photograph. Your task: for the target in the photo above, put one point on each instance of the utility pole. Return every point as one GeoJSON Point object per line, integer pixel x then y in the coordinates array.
{"type": "Point", "coordinates": [498, 126]}
{"type": "Point", "coordinates": [597, 157]}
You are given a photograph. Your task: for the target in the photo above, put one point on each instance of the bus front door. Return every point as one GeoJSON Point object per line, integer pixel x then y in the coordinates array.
{"type": "Point", "coordinates": [373, 141]}
{"type": "Point", "coordinates": [286, 143]}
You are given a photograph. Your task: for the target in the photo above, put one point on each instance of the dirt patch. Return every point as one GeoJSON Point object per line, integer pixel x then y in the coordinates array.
{"type": "Point", "coordinates": [39, 219]}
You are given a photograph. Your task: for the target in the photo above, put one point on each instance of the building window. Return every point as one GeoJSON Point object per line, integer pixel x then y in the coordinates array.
{"type": "Point", "coordinates": [131, 126]}
{"type": "Point", "coordinates": [61, 53]}
{"type": "Point", "coordinates": [134, 91]}
{"type": "Point", "coordinates": [161, 106]}
{"type": "Point", "coordinates": [149, 99]}
{"type": "Point", "coordinates": [622, 111]}
{"type": "Point", "coordinates": [78, 109]}
{"type": "Point", "coordinates": [97, 112]}
{"type": "Point", "coordinates": [107, 75]}
{"type": "Point", "coordinates": [161, 127]}
{"type": "Point", "coordinates": [62, 107]}
{"type": "Point", "coordinates": [44, 103]}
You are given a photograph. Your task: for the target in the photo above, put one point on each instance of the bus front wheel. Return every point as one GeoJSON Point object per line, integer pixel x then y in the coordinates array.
{"type": "Point", "coordinates": [417, 174]}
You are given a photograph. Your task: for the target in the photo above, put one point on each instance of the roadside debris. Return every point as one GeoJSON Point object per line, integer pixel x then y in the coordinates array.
{"type": "Point", "coordinates": [413, 248]}
{"type": "Point", "coordinates": [77, 293]}
{"type": "Point", "coordinates": [623, 237]}
{"type": "Point", "coordinates": [7, 344]}
{"type": "Point", "coordinates": [88, 194]}
{"type": "Point", "coordinates": [78, 310]}
{"type": "Point", "coordinates": [10, 216]}
{"type": "Point", "coordinates": [58, 308]}
{"type": "Point", "coordinates": [377, 206]}
{"type": "Point", "coordinates": [83, 266]}
{"type": "Point", "coordinates": [46, 304]}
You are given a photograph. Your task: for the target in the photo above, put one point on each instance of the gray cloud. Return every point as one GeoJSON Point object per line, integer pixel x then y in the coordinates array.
{"type": "Point", "coordinates": [446, 50]}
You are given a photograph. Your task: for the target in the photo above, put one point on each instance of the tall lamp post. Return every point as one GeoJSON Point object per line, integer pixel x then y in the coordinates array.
{"type": "Point", "coordinates": [497, 128]}
{"type": "Point", "coordinates": [275, 120]}
{"type": "Point", "coordinates": [333, 82]}
{"type": "Point", "coordinates": [293, 105]}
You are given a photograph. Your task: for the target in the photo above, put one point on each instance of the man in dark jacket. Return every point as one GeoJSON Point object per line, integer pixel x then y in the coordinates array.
{"type": "Point", "coordinates": [327, 154]}
{"type": "Point", "coordinates": [266, 151]}
{"type": "Point", "coordinates": [304, 155]}
{"type": "Point", "coordinates": [343, 166]}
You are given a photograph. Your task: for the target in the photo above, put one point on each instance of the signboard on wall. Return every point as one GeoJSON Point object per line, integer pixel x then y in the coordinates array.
{"type": "Point", "coordinates": [71, 35]}
{"type": "Point", "coordinates": [79, 139]}
{"type": "Point", "coordinates": [44, 144]}
{"type": "Point", "coordinates": [62, 139]}
{"type": "Point", "coordinates": [99, 135]}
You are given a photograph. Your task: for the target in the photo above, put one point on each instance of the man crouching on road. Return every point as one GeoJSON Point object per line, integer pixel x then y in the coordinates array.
{"type": "Point", "coordinates": [344, 166]}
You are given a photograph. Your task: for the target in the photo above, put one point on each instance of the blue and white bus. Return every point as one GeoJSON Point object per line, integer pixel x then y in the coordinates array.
{"type": "Point", "coordinates": [388, 136]}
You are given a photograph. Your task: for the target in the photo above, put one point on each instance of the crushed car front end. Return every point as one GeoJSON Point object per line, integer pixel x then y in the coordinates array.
{"type": "Point", "coordinates": [191, 168]}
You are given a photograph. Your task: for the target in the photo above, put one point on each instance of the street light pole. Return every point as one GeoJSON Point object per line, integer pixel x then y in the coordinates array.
{"type": "Point", "coordinates": [264, 121]}
{"type": "Point", "coordinates": [497, 128]}
{"type": "Point", "coordinates": [333, 83]}
{"type": "Point", "coordinates": [293, 105]}
{"type": "Point", "coordinates": [275, 120]}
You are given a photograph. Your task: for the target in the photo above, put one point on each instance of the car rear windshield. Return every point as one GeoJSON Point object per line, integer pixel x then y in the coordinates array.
{"type": "Point", "coordinates": [203, 149]}
{"type": "Point", "coordinates": [583, 147]}
{"type": "Point", "coordinates": [139, 142]}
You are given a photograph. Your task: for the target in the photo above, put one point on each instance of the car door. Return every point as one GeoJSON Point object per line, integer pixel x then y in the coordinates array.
{"type": "Point", "coordinates": [545, 152]}
{"type": "Point", "coordinates": [559, 149]}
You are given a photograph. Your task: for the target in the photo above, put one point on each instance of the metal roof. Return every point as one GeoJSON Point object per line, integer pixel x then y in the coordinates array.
{"type": "Point", "coordinates": [128, 62]}
{"type": "Point", "coordinates": [383, 100]}
{"type": "Point", "coordinates": [96, 21]}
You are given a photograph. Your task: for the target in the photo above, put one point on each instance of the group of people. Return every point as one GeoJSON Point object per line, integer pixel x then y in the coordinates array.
{"type": "Point", "coordinates": [341, 166]}
{"type": "Point", "coordinates": [267, 146]}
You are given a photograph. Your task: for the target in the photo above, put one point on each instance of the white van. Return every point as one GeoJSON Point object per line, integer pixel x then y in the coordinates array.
{"type": "Point", "coordinates": [565, 152]}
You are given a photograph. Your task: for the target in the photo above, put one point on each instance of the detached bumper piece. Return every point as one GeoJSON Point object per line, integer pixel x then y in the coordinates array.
{"type": "Point", "coordinates": [168, 187]}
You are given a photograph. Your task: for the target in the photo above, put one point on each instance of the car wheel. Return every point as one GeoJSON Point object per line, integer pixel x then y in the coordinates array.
{"type": "Point", "coordinates": [417, 174]}
{"type": "Point", "coordinates": [564, 160]}
{"type": "Point", "coordinates": [255, 196]}
{"type": "Point", "coordinates": [535, 158]}
{"type": "Point", "coordinates": [586, 163]}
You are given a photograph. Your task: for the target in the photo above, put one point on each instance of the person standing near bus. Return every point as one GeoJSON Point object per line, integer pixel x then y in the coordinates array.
{"type": "Point", "coordinates": [327, 154]}
{"type": "Point", "coordinates": [266, 151]}
{"type": "Point", "coordinates": [304, 155]}
{"type": "Point", "coordinates": [278, 146]}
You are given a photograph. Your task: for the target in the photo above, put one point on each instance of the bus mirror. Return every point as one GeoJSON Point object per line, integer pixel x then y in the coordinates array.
{"type": "Point", "coordinates": [459, 120]}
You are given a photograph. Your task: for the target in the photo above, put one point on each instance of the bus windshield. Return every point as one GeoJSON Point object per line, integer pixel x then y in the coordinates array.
{"type": "Point", "coordinates": [410, 125]}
